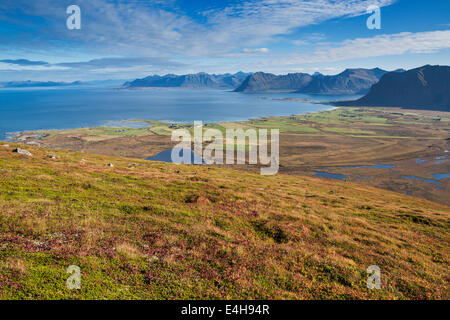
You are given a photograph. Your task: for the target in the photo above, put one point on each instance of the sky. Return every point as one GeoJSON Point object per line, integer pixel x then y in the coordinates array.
{"type": "Point", "coordinates": [127, 39]}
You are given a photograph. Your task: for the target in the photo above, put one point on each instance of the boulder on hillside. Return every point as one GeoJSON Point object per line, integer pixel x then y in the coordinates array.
{"type": "Point", "coordinates": [23, 151]}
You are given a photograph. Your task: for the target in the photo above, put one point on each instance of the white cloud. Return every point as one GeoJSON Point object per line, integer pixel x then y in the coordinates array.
{"type": "Point", "coordinates": [232, 38]}
{"type": "Point", "coordinates": [382, 45]}
{"type": "Point", "coordinates": [255, 50]}
{"type": "Point", "coordinates": [15, 67]}
{"type": "Point", "coordinates": [256, 22]}
{"type": "Point", "coordinates": [311, 70]}
{"type": "Point", "coordinates": [132, 27]}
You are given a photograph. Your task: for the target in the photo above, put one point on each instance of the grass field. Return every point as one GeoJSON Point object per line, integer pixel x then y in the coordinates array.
{"type": "Point", "coordinates": [148, 230]}
{"type": "Point", "coordinates": [323, 141]}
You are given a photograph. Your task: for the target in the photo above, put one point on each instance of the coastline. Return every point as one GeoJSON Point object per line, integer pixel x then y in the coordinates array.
{"type": "Point", "coordinates": [357, 143]}
{"type": "Point", "coordinates": [24, 135]}
{"type": "Point", "coordinates": [42, 109]}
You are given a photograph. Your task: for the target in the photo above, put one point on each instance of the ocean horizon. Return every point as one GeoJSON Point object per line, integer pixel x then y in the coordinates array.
{"type": "Point", "coordinates": [28, 109]}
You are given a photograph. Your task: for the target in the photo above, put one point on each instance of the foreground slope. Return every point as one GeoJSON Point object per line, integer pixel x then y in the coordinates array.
{"type": "Point", "coordinates": [150, 230]}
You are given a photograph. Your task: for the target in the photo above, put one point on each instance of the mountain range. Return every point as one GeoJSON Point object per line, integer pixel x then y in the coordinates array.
{"type": "Point", "coordinates": [350, 81]}
{"type": "Point", "coordinates": [426, 87]}
{"type": "Point", "coordinates": [31, 84]}
{"type": "Point", "coordinates": [198, 80]}
{"type": "Point", "coordinates": [268, 82]}
{"type": "Point", "coordinates": [36, 84]}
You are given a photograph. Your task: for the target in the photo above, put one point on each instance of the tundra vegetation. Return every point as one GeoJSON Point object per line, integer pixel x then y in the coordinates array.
{"type": "Point", "coordinates": [334, 141]}
{"type": "Point", "coordinates": [151, 230]}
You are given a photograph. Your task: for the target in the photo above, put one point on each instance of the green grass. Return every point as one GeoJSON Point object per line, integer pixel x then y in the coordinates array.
{"type": "Point", "coordinates": [339, 121]}
{"type": "Point", "coordinates": [348, 130]}
{"type": "Point", "coordinates": [162, 231]}
{"type": "Point", "coordinates": [397, 137]}
{"type": "Point", "coordinates": [100, 131]}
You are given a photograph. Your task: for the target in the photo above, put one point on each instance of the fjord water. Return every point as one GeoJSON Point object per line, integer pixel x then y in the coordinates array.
{"type": "Point", "coordinates": [75, 107]}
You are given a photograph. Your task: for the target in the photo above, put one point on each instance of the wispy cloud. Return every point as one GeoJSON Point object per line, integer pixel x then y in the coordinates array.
{"type": "Point", "coordinates": [120, 62]}
{"type": "Point", "coordinates": [255, 50]}
{"type": "Point", "coordinates": [256, 22]}
{"type": "Point", "coordinates": [157, 28]}
{"type": "Point", "coordinates": [382, 45]}
{"type": "Point", "coordinates": [24, 62]}
{"type": "Point", "coordinates": [120, 36]}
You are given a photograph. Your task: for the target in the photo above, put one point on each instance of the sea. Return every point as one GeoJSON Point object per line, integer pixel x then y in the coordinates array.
{"type": "Point", "coordinates": [23, 109]}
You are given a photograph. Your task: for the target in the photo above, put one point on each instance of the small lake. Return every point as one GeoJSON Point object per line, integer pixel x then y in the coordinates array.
{"type": "Point", "coordinates": [335, 176]}
{"type": "Point", "coordinates": [437, 160]}
{"type": "Point", "coordinates": [421, 179]}
{"type": "Point", "coordinates": [166, 156]}
{"type": "Point", "coordinates": [436, 176]}
{"type": "Point", "coordinates": [74, 107]}
{"type": "Point", "coordinates": [379, 166]}
{"type": "Point", "coordinates": [440, 176]}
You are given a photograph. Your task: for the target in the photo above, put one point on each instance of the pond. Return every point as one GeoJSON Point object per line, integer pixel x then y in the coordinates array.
{"type": "Point", "coordinates": [323, 174]}
{"type": "Point", "coordinates": [440, 176]}
{"type": "Point", "coordinates": [421, 179]}
{"type": "Point", "coordinates": [379, 166]}
{"type": "Point", "coordinates": [166, 155]}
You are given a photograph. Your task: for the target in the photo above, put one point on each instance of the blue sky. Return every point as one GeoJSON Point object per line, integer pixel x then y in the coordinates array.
{"type": "Point", "coordinates": [135, 38]}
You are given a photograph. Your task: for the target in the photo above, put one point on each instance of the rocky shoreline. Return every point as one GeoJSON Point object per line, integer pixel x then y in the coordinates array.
{"type": "Point", "coordinates": [30, 138]}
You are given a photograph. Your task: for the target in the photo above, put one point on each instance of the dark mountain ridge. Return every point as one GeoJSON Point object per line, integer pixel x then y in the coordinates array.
{"type": "Point", "coordinates": [31, 84]}
{"type": "Point", "coordinates": [198, 80]}
{"type": "Point", "coordinates": [350, 81]}
{"type": "Point", "coordinates": [45, 84]}
{"type": "Point", "coordinates": [267, 82]}
{"type": "Point", "coordinates": [426, 87]}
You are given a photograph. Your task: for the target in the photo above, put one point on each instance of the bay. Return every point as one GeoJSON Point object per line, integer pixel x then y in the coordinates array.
{"type": "Point", "coordinates": [75, 107]}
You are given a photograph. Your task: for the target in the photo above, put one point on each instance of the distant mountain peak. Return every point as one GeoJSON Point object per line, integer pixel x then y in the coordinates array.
{"type": "Point", "coordinates": [197, 80]}
{"type": "Point", "coordinates": [261, 81]}
{"type": "Point", "coordinates": [31, 83]}
{"type": "Point", "coordinates": [349, 81]}
{"type": "Point", "coordinates": [426, 87]}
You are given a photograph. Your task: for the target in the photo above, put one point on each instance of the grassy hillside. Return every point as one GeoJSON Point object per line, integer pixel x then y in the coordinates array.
{"type": "Point", "coordinates": [334, 141]}
{"type": "Point", "coordinates": [149, 230]}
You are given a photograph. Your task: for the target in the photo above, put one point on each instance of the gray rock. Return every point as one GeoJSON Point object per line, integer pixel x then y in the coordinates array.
{"type": "Point", "coordinates": [23, 151]}
{"type": "Point", "coordinates": [34, 143]}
